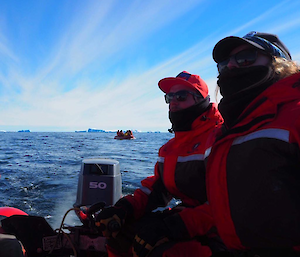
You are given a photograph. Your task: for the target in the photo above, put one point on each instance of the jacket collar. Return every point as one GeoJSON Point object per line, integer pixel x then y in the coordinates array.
{"type": "Point", "coordinates": [265, 106]}
{"type": "Point", "coordinates": [204, 122]}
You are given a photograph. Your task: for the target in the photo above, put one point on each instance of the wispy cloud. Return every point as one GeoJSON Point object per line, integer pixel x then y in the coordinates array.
{"type": "Point", "coordinates": [80, 81]}
{"type": "Point", "coordinates": [103, 30]}
{"type": "Point", "coordinates": [41, 98]}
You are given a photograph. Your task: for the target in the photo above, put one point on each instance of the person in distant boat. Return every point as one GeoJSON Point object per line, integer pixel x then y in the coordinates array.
{"type": "Point", "coordinates": [253, 167]}
{"type": "Point", "coordinates": [128, 133]}
{"type": "Point", "coordinates": [179, 173]}
{"type": "Point", "coordinates": [120, 133]}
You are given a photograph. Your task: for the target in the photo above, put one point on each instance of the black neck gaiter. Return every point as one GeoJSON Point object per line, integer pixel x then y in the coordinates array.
{"type": "Point", "coordinates": [182, 120]}
{"type": "Point", "coordinates": [239, 87]}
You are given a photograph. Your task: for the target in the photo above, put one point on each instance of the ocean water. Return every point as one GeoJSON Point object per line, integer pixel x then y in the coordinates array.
{"type": "Point", "coordinates": [39, 170]}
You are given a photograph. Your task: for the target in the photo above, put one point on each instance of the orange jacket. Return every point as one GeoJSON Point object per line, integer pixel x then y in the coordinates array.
{"type": "Point", "coordinates": [179, 171]}
{"type": "Point", "coordinates": [253, 180]}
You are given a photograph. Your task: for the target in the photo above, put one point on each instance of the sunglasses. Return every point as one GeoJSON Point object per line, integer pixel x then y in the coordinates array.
{"type": "Point", "coordinates": [180, 96]}
{"type": "Point", "coordinates": [243, 58]}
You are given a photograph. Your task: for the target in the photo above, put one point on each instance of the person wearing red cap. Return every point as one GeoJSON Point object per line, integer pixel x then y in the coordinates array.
{"type": "Point", "coordinates": [253, 167]}
{"type": "Point", "coordinates": [179, 173]}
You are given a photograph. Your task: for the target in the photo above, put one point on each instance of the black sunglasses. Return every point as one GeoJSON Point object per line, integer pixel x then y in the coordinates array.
{"type": "Point", "coordinates": [243, 58]}
{"type": "Point", "coordinates": [181, 96]}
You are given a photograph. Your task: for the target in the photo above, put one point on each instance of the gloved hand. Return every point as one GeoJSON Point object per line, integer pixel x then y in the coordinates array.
{"type": "Point", "coordinates": [170, 228]}
{"type": "Point", "coordinates": [110, 220]}
{"type": "Point", "coordinates": [150, 236]}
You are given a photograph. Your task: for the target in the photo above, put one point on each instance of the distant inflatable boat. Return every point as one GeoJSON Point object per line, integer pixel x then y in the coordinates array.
{"type": "Point", "coordinates": [124, 137]}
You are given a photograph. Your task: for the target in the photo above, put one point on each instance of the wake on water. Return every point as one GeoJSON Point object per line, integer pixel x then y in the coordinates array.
{"type": "Point", "coordinates": [39, 171]}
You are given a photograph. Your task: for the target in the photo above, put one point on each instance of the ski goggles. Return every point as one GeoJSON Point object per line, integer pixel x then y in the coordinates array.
{"type": "Point", "coordinates": [180, 96]}
{"type": "Point", "coordinates": [243, 58]}
{"type": "Point", "coordinates": [268, 47]}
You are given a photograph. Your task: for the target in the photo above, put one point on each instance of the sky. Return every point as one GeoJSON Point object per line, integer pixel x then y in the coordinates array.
{"type": "Point", "coordinates": [68, 65]}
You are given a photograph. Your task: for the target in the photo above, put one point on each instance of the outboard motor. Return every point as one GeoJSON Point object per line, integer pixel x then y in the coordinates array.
{"type": "Point", "coordinates": [99, 181]}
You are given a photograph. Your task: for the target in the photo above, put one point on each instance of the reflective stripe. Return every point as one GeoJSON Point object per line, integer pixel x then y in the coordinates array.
{"type": "Point", "coordinates": [161, 159]}
{"type": "Point", "coordinates": [280, 134]}
{"type": "Point", "coordinates": [195, 157]}
{"type": "Point", "coordinates": [146, 190]}
{"type": "Point", "coordinates": [207, 152]}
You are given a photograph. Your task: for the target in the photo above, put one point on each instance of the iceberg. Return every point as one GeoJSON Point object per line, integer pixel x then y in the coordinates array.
{"type": "Point", "coordinates": [95, 130]}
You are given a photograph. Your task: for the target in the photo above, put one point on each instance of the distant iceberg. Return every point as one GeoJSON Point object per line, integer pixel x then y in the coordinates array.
{"type": "Point", "coordinates": [95, 130]}
{"type": "Point", "coordinates": [24, 130]}
{"type": "Point", "coordinates": [80, 131]}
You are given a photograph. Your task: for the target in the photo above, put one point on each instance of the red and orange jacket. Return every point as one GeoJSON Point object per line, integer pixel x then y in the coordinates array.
{"type": "Point", "coordinates": [253, 173]}
{"type": "Point", "coordinates": [179, 171]}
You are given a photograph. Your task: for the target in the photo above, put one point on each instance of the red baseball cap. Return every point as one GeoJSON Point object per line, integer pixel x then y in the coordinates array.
{"type": "Point", "coordinates": [187, 79]}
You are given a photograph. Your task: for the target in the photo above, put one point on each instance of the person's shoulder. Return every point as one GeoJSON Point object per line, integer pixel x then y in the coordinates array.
{"type": "Point", "coordinates": [214, 114]}
{"type": "Point", "coordinates": [166, 145]}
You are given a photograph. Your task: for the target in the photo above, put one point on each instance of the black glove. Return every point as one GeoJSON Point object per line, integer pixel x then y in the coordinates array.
{"type": "Point", "coordinates": [110, 220]}
{"type": "Point", "coordinates": [150, 236]}
{"type": "Point", "coordinates": [171, 228]}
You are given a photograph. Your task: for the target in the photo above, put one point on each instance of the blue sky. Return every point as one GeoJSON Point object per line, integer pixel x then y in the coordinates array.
{"type": "Point", "coordinates": [69, 65]}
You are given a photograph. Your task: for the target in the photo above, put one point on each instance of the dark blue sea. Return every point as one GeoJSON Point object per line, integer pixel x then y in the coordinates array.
{"type": "Point", "coordinates": [39, 170]}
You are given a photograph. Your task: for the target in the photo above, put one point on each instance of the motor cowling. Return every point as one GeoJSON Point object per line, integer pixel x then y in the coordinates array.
{"type": "Point", "coordinates": [99, 182]}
